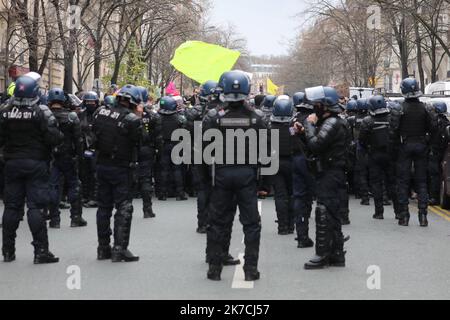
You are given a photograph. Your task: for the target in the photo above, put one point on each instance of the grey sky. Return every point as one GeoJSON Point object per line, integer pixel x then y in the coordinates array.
{"type": "Point", "coordinates": [268, 25]}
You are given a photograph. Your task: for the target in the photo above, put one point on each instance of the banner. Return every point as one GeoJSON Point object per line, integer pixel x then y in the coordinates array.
{"type": "Point", "coordinates": [203, 61]}
{"type": "Point", "coordinates": [172, 90]}
{"type": "Point", "coordinates": [272, 88]}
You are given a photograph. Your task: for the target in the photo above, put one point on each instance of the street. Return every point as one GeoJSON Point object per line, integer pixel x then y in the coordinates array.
{"type": "Point", "coordinates": [413, 262]}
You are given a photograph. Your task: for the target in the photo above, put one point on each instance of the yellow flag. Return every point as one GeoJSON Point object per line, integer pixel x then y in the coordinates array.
{"type": "Point", "coordinates": [271, 87]}
{"type": "Point", "coordinates": [203, 61]}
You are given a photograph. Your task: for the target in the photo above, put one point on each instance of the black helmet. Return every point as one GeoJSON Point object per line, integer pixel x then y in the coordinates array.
{"type": "Point", "coordinates": [131, 93]}
{"type": "Point", "coordinates": [56, 95]}
{"type": "Point", "coordinates": [377, 105]}
{"type": "Point", "coordinates": [235, 86]}
{"type": "Point", "coordinates": [283, 109]}
{"type": "Point", "coordinates": [410, 88]}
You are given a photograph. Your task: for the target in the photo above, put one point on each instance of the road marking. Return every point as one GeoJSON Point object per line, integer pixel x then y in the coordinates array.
{"type": "Point", "coordinates": [439, 213]}
{"type": "Point", "coordinates": [260, 208]}
{"type": "Point", "coordinates": [239, 277]}
{"type": "Point", "coordinates": [447, 213]}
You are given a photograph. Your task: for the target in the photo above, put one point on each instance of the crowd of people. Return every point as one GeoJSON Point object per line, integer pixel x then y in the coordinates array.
{"type": "Point", "coordinates": [59, 153]}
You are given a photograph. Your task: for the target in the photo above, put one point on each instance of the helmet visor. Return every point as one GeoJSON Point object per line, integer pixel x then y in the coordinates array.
{"type": "Point", "coordinates": [316, 94]}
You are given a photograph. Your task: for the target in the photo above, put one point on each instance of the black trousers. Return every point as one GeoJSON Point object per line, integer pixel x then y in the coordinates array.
{"type": "Point", "coordinates": [411, 156]}
{"type": "Point", "coordinates": [329, 237]}
{"type": "Point", "coordinates": [283, 185]}
{"type": "Point", "coordinates": [240, 183]}
{"type": "Point", "coordinates": [114, 192]}
{"type": "Point", "coordinates": [382, 176]}
{"type": "Point", "coordinates": [435, 173]}
{"type": "Point", "coordinates": [203, 185]}
{"type": "Point", "coordinates": [25, 181]}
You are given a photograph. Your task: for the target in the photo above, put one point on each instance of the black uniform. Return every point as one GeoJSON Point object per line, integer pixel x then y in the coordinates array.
{"type": "Point", "coordinates": [170, 123]}
{"type": "Point", "coordinates": [414, 127]}
{"type": "Point", "coordinates": [361, 171]}
{"type": "Point", "coordinates": [234, 182]}
{"type": "Point", "coordinates": [151, 125]}
{"type": "Point", "coordinates": [438, 147]}
{"type": "Point", "coordinates": [303, 185]}
{"type": "Point", "coordinates": [376, 137]}
{"type": "Point", "coordinates": [65, 164]}
{"type": "Point", "coordinates": [118, 133]}
{"type": "Point", "coordinates": [283, 181]}
{"type": "Point", "coordinates": [201, 172]}
{"type": "Point", "coordinates": [327, 141]}
{"type": "Point", "coordinates": [28, 134]}
{"type": "Point", "coordinates": [88, 161]}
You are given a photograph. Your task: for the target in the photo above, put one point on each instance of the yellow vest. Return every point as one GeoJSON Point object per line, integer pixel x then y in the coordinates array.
{"type": "Point", "coordinates": [11, 88]}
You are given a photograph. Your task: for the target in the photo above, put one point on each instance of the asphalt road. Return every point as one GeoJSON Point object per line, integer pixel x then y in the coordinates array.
{"type": "Point", "coordinates": [409, 263]}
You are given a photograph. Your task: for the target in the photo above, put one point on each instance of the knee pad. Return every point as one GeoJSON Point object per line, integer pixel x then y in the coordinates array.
{"type": "Point", "coordinates": [126, 209]}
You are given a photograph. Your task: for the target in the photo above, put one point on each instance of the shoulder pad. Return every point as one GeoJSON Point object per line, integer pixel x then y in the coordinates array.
{"type": "Point", "coordinates": [46, 111]}
{"type": "Point", "coordinates": [131, 117]}
{"type": "Point", "coordinates": [259, 113]}
{"type": "Point", "coordinates": [213, 113]}
{"type": "Point", "coordinates": [332, 121]}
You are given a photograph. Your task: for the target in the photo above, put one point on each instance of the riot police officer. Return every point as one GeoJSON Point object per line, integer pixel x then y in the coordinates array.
{"type": "Point", "coordinates": [414, 127]}
{"type": "Point", "coordinates": [65, 162]}
{"type": "Point", "coordinates": [151, 136]}
{"type": "Point", "coordinates": [376, 137]}
{"type": "Point", "coordinates": [266, 182]}
{"type": "Point", "coordinates": [267, 106]}
{"type": "Point", "coordinates": [438, 146]}
{"type": "Point", "coordinates": [303, 181]}
{"type": "Point", "coordinates": [171, 120]}
{"type": "Point", "coordinates": [118, 132]}
{"type": "Point", "coordinates": [361, 171]}
{"type": "Point", "coordinates": [232, 181]}
{"type": "Point", "coordinates": [201, 172]}
{"type": "Point", "coordinates": [91, 103]}
{"type": "Point", "coordinates": [283, 111]}
{"type": "Point", "coordinates": [326, 136]}
{"type": "Point", "coordinates": [28, 132]}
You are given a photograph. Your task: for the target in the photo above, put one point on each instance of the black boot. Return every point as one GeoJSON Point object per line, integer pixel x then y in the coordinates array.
{"type": "Point", "coordinates": [202, 229]}
{"type": "Point", "coordinates": [379, 213]}
{"type": "Point", "coordinates": [77, 222]}
{"type": "Point", "coordinates": [104, 253]}
{"type": "Point", "coordinates": [337, 258]}
{"type": "Point", "coordinates": [324, 239]}
{"type": "Point", "coordinates": [252, 274]}
{"type": "Point", "coordinates": [230, 261]}
{"type": "Point", "coordinates": [214, 272]}
{"type": "Point", "coordinates": [365, 201]}
{"type": "Point", "coordinates": [181, 197]}
{"type": "Point", "coordinates": [54, 216]}
{"type": "Point", "coordinates": [149, 214]}
{"type": "Point", "coordinates": [76, 210]}
{"type": "Point", "coordinates": [54, 224]}
{"type": "Point", "coordinates": [423, 218]}
{"type": "Point", "coordinates": [148, 205]}
{"type": "Point", "coordinates": [318, 262]}
{"type": "Point", "coordinates": [306, 242]}
{"type": "Point", "coordinates": [44, 256]}
{"type": "Point", "coordinates": [345, 220]}
{"type": "Point", "coordinates": [9, 255]}
{"type": "Point", "coordinates": [122, 229]}
{"type": "Point", "coordinates": [162, 197]}
{"type": "Point", "coordinates": [120, 254]}
{"type": "Point", "coordinates": [404, 219]}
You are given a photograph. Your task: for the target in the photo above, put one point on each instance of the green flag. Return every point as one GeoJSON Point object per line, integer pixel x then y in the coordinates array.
{"type": "Point", "coordinates": [202, 61]}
